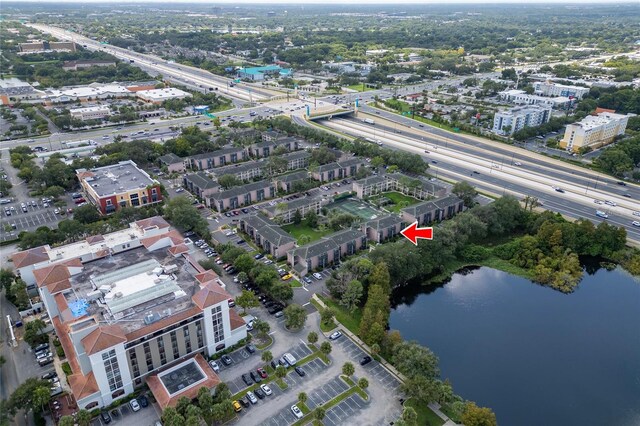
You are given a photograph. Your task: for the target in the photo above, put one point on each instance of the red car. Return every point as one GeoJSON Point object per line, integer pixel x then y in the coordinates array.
{"type": "Point", "coordinates": [79, 200]}
{"type": "Point", "coordinates": [70, 211]}
{"type": "Point", "coordinates": [262, 373]}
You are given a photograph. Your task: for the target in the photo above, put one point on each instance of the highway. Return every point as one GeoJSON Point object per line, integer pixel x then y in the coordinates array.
{"type": "Point", "coordinates": [192, 77]}
{"type": "Point", "coordinates": [449, 162]}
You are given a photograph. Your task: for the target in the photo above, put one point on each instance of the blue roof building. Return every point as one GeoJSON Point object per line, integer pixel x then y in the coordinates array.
{"type": "Point", "coordinates": [258, 73]}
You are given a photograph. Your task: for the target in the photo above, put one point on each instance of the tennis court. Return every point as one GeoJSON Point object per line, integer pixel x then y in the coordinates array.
{"type": "Point", "coordinates": [355, 208]}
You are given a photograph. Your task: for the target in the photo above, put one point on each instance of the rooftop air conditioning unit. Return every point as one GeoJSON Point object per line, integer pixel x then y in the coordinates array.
{"type": "Point", "coordinates": [118, 295]}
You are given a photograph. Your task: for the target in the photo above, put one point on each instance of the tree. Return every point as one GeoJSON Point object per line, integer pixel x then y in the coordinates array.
{"type": "Point", "coordinates": [297, 217]}
{"type": "Point", "coordinates": [302, 397]}
{"type": "Point", "coordinates": [319, 413]}
{"type": "Point", "coordinates": [281, 371]}
{"type": "Point", "coordinates": [183, 215]}
{"type": "Point", "coordinates": [83, 418]}
{"type": "Point", "coordinates": [409, 415]}
{"type": "Point", "coordinates": [325, 348]}
{"type": "Point", "coordinates": [66, 421]}
{"type": "Point", "coordinates": [478, 416]}
{"type": "Point", "coordinates": [363, 383]}
{"type": "Point", "coordinates": [24, 397]}
{"type": "Point", "coordinates": [6, 279]}
{"type": "Point", "coordinates": [312, 219]}
{"type": "Point", "coordinates": [304, 239]}
{"type": "Point", "coordinates": [412, 359]}
{"type": "Point", "coordinates": [282, 291]}
{"type": "Point", "coordinates": [262, 327]}
{"type": "Point", "coordinates": [267, 356]}
{"type": "Point", "coordinates": [221, 393]}
{"type": "Point", "coordinates": [183, 405]}
{"type": "Point", "coordinates": [86, 214]}
{"type": "Point", "coordinates": [379, 275]}
{"type": "Point", "coordinates": [247, 300]}
{"type": "Point", "coordinates": [242, 277]}
{"type": "Point", "coordinates": [33, 332]}
{"type": "Point", "coordinates": [205, 402]}
{"type": "Point", "coordinates": [351, 297]}
{"type": "Point", "coordinates": [295, 316]}
{"type": "Point", "coordinates": [326, 317]}
{"type": "Point", "coordinates": [244, 262]}
{"type": "Point", "coordinates": [229, 181]}
{"type": "Point", "coordinates": [41, 397]}
{"type": "Point", "coordinates": [421, 388]}
{"type": "Point", "coordinates": [465, 191]}
{"type": "Point", "coordinates": [312, 337]}
{"type": "Point", "coordinates": [375, 315]}
{"type": "Point", "coordinates": [348, 369]}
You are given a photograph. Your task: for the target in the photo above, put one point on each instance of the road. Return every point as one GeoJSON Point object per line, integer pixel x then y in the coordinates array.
{"type": "Point", "coordinates": [194, 78]}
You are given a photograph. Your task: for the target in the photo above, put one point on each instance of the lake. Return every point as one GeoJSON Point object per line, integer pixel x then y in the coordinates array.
{"type": "Point", "coordinates": [534, 355]}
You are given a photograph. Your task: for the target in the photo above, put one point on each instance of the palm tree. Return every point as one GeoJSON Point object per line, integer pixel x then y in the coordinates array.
{"type": "Point", "coordinates": [302, 397]}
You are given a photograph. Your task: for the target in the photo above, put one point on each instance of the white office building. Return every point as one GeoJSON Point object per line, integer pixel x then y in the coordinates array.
{"type": "Point", "coordinates": [547, 88]}
{"type": "Point", "coordinates": [90, 113]}
{"type": "Point", "coordinates": [520, 117]}
{"type": "Point", "coordinates": [594, 131]}
{"type": "Point", "coordinates": [521, 97]}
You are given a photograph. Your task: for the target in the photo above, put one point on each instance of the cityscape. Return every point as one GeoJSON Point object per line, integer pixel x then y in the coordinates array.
{"type": "Point", "coordinates": [420, 214]}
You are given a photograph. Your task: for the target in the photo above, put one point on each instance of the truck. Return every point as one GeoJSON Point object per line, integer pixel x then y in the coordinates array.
{"type": "Point", "coordinates": [369, 121]}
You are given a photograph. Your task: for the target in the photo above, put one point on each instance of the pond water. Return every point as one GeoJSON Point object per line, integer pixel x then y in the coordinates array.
{"type": "Point", "coordinates": [534, 355]}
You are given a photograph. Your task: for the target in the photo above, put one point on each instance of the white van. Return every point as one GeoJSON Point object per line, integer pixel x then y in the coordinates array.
{"type": "Point", "coordinates": [600, 213]}
{"type": "Point", "coordinates": [290, 359]}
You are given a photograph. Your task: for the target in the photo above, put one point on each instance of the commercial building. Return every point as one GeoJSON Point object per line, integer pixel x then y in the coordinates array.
{"type": "Point", "coordinates": [78, 65]}
{"type": "Point", "coordinates": [267, 235]}
{"type": "Point", "coordinates": [13, 90]}
{"type": "Point", "coordinates": [259, 73]}
{"type": "Point", "coordinates": [326, 251]}
{"type": "Point", "coordinates": [522, 98]}
{"type": "Point", "coordinates": [93, 91]}
{"type": "Point", "coordinates": [200, 185]}
{"type": "Point", "coordinates": [428, 212]}
{"type": "Point", "coordinates": [594, 131]}
{"type": "Point", "coordinates": [217, 158]}
{"type": "Point", "coordinates": [384, 228]}
{"type": "Point", "coordinates": [547, 88]}
{"type": "Point", "coordinates": [46, 46]}
{"type": "Point", "coordinates": [349, 67]}
{"type": "Point", "coordinates": [520, 117]}
{"type": "Point", "coordinates": [285, 212]}
{"type": "Point", "coordinates": [417, 187]}
{"type": "Point", "coordinates": [90, 113]}
{"type": "Point", "coordinates": [133, 307]}
{"type": "Point", "coordinates": [337, 170]}
{"type": "Point", "coordinates": [119, 185]}
{"type": "Point", "coordinates": [157, 96]}
{"type": "Point", "coordinates": [243, 195]}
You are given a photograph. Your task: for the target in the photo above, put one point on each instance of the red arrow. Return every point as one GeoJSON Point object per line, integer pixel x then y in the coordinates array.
{"type": "Point", "coordinates": [412, 233]}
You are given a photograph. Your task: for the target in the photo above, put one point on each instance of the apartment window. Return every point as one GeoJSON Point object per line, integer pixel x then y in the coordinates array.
{"type": "Point", "coordinates": [112, 370]}
{"type": "Point", "coordinates": [218, 326]}
{"type": "Point", "coordinates": [174, 345]}
{"type": "Point", "coordinates": [135, 201]}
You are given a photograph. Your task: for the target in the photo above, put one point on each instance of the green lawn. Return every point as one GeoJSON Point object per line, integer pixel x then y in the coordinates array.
{"type": "Point", "coordinates": [359, 88]}
{"type": "Point", "coordinates": [302, 229]}
{"type": "Point", "coordinates": [348, 319]}
{"type": "Point", "coordinates": [425, 415]}
{"type": "Point", "coordinates": [396, 198]}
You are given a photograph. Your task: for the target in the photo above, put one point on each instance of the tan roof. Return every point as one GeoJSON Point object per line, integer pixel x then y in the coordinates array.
{"type": "Point", "coordinates": [174, 235]}
{"type": "Point", "coordinates": [102, 338]}
{"type": "Point", "coordinates": [205, 276]}
{"type": "Point", "coordinates": [165, 400]}
{"type": "Point", "coordinates": [153, 221]}
{"type": "Point", "coordinates": [235, 319]}
{"type": "Point", "coordinates": [65, 340]}
{"type": "Point", "coordinates": [30, 257]}
{"type": "Point", "coordinates": [210, 295]}
{"type": "Point", "coordinates": [84, 174]}
{"type": "Point", "coordinates": [83, 386]}
{"type": "Point", "coordinates": [59, 286]}
{"type": "Point", "coordinates": [51, 274]}
{"type": "Point", "coordinates": [179, 249]}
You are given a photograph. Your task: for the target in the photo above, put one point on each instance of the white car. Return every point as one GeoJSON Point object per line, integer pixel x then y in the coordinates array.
{"type": "Point", "coordinates": [517, 163]}
{"type": "Point", "coordinates": [335, 335]}
{"type": "Point", "coordinates": [266, 389]}
{"type": "Point", "coordinates": [598, 201]}
{"type": "Point", "coordinates": [317, 276]}
{"type": "Point", "coordinates": [214, 365]}
{"type": "Point", "coordinates": [134, 405]}
{"type": "Point", "coordinates": [610, 203]}
{"type": "Point", "coordinates": [636, 213]}
{"type": "Point", "coordinates": [296, 411]}
{"type": "Point", "coordinates": [635, 223]}
{"type": "Point", "coordinates": [252, 397]}
{"type": "Point", "coordinates": [179, 189]}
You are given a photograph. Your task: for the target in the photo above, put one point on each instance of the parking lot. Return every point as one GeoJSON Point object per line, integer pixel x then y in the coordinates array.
{"type": "Point", "coordinates": [326, 392]}
{"type": "Point", "coordinates": [312, 368]}
{"type": "Point", "coordinates": [373, 369]}
{"type": "Point", "coordinates": [345, 410]}
{"type": "Point", "coordinates": [125, 416]}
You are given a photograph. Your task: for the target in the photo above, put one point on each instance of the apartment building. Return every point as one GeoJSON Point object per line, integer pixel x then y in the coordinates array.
{"type": "Point", "coordinates": [243, 195]}
{"type": "Point", "coordinates": [384, 228]}
{"type": "Point", "coordinates": [79, 65]}
{"type": "Point", "coordinates": [218, 158]}
{"type": "Point", "coordinates": [417, 187]}
{"type": "Point", "coordinates": [548, 88]}
{"type": "Point", "coordinates": [267, 147]}
{"type": "Point", "coordinates": [267, 235]}
{"type": "Point", "coordinates": [200, 185]}
{"type": "Point", "coordinates": [243, 171]}
{"type": "Point", "coordinates": [90, 113]}
{"type": "Point", "coordinates": [129, 316]}
{"type": "Point", "coordinates": [338, 170]}
{"type": "Point", "coordinates": [518, 118]}
{"type": "Point", "coordinates": [172, 162]}
{"type": "Point", "coordinates": [287, 182]}
{"type": "Point", "coordinates": [594, 131]}
{"type": "Point", "coordinates": [119, 185]}
{"type": "Point", "coordinates": [297, 160]}
{"type": "Point", "coordinates": [285, 212]}
{"type": "Point", "coordinates": [428, 212]}
{"type": "Point", "coordinates": [326, 251]}
{"type": "Point", "coordinates": [523, 98]}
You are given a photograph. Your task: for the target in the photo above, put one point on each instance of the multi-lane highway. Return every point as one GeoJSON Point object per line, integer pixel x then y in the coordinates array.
{"type": "Point", "coordinates": [194, 78]}
{"type": "Point", "coordinates": [496, 172]}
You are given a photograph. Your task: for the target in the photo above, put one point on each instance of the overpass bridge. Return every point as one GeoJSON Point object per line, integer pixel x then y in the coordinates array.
{"type": "Point", "coordinates": [330, 111]}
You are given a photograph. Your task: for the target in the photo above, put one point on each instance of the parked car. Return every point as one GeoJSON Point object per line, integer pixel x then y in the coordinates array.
{"type": "Point", "coordinates": [365, 360]}
{"type": "Point", "coordinates": [259, 393]}
{"type": "Point", "coordinates": [300, 372]}
{"type": "Point", "coordinates": [144, 402]}
{"type": "Point", "coordinates": [279, 314]}
{"type": "Point", "coordinates": [214, 365]}
{"type": "Point", "coordinates": [250, 348]}
{"type": "Point", "coordinates": [306, 279]}
{"type": "Point", "coordinates": [236, 406]}
{"type": "Point", "coordinates": [266, 389]}
{"type": "Point", "coordinates": [246, 378]}
{"type": "Point", "coordinates": [262, 373]}
{"type": "Point", "coordinates": [335, 335]}
{"type": "Point", "coordinates": [226, 360]}
{"type": "Point", "coordinates": [105, 417]}
{"type": "Point", "coordinates": [317, 276]}
{"type": "Point", "coordinates": [296, 411]}
{"type": "Point", "coordinates": [134, 405]}
{"type": "Point", "coordinates": [255, 377]}
{"type": "Point", "coordinates": [252, 397]}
